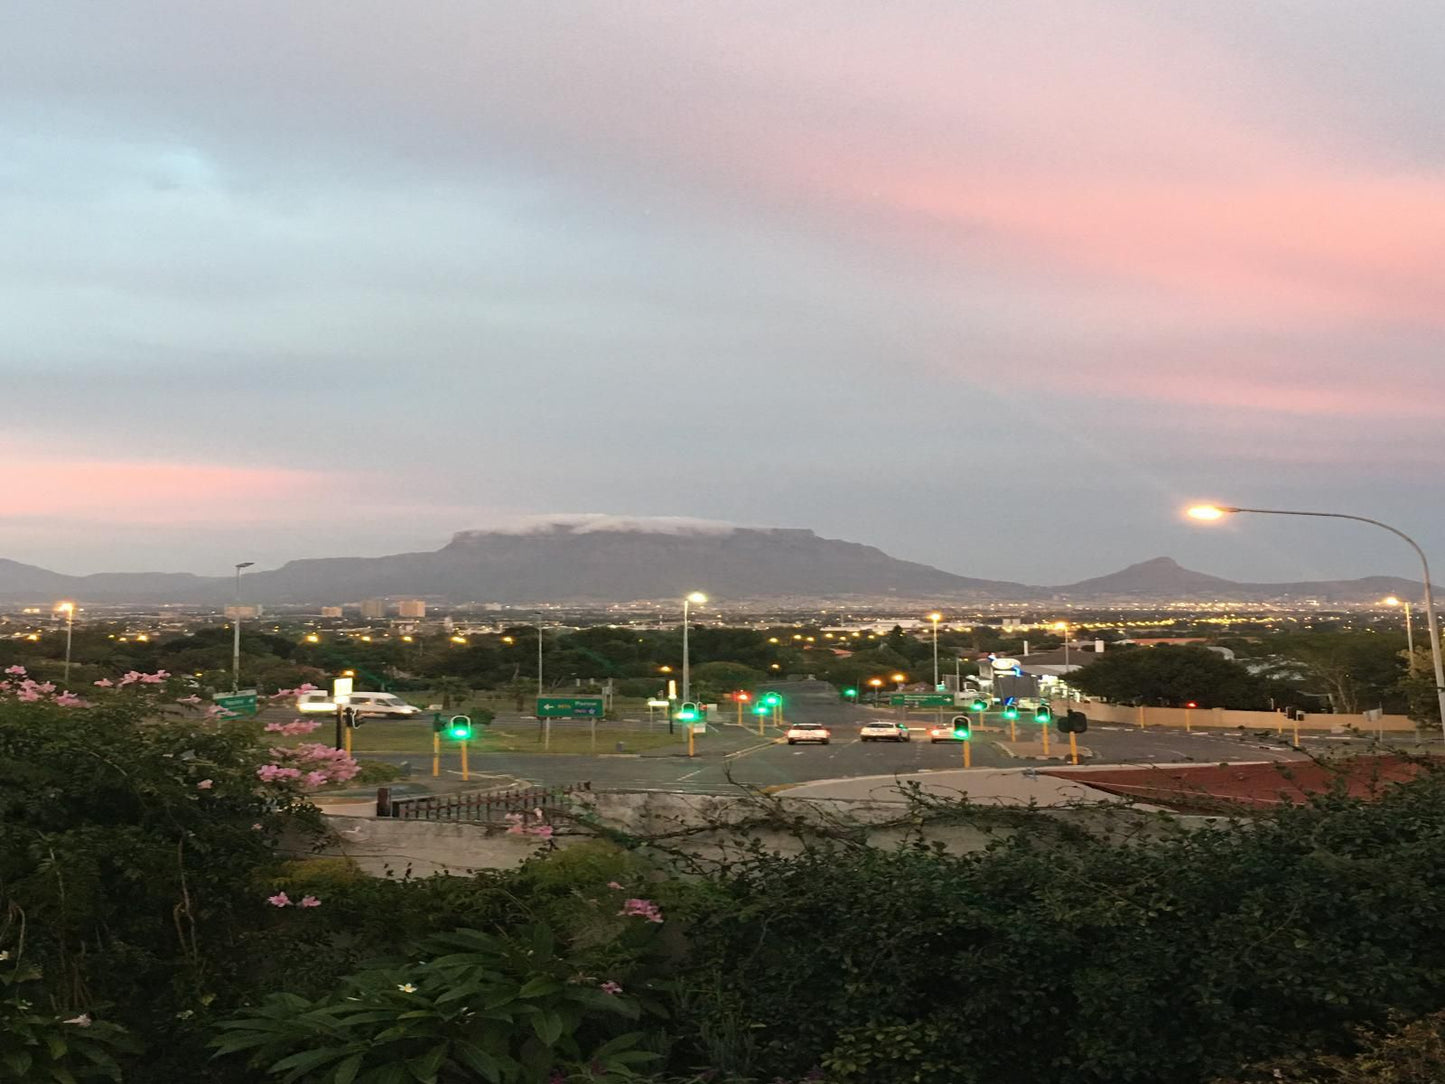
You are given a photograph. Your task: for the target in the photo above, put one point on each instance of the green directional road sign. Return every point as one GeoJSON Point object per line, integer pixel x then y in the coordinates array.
{"type": "Point", "coordinates": [569, 707]}
{"type": "Point", "coordinates": [243, 703]}
{"type": "Point", "coordinates": [921, 700]}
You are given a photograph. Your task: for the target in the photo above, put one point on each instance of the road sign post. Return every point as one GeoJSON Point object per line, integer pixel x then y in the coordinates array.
{"type": "Point", "coordinates": [237, 704]}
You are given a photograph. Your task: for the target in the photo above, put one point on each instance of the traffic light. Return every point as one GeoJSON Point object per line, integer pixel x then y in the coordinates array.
{"type": "Point", "coordinates": [1043, 715]}
{"type": "Point", "coordinates": [980, 704]}
{"type": "Point", "coordinates": [350, 718]}
{"type": "Point", "coordinates": [687, 713]}
{"type": "Point", "coordinates": [772, 698]}
{"type": "Point", "coordinates": [850, 694]}
{"type": "Point", "coordinates": [762, 709]}
{"type": "Point", "coordinates": [961, 729]}
{"type": "Point", "coordinates": [1073, 722]}
{"type": "Point", "coordinates": [742, 697]}
{"type": "Point", "coordinates": [457, 728]}
{"type": "Point", "coordinates": [1010, 712]}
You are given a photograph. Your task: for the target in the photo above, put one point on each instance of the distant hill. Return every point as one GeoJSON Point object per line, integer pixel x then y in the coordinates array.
{"type": "Point", "coordinates": [595, 559]}
{"type": "Point", "coordinates": [1164, 579]}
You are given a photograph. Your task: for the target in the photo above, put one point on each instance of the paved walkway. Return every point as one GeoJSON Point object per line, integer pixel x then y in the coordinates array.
{"type": "Point", "coordinates": [1006, 786]}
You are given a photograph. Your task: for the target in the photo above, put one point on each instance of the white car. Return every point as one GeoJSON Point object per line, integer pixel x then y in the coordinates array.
{"type": "Point", "coordinates": [367, 705]}
{"type": "Point", "coordinates": [808, 732]}
{"type": "Point", "coordinates": [883, 730]}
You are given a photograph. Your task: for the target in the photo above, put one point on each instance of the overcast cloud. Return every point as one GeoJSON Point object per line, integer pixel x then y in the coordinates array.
{"type": "Point", "coordinates": [998, 287]}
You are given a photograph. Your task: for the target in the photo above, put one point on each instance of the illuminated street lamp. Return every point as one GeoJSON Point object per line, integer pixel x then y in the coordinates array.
{"type": "Point", "coordinates": [1409, 632]}
{"type": "Point", "coordinates": [1063, 626]}
{"type": "Point", "coordinates": [236, 631]}
{"type": "Point", "coordinates": [696, 597]}
{"type": "Point", "coordinates": [935, 618]}
{"type": "Point", "coordinates": [68, 609]}
{"type": "Point", "coordinates": [1208, 512]}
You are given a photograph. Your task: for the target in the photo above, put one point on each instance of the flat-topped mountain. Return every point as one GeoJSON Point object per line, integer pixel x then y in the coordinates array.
{"type": "Point", "coordinates": [612, 559]}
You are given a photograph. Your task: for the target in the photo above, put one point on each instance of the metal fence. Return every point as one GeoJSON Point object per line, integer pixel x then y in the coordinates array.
{"type": "Point", "coordinates": [476, 807]}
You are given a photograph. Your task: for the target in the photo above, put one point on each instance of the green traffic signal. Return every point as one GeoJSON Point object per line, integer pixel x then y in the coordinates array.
{"type": "Point", "coordinates": [1043, 715]}
{"type": "Point", "coordinates": [762, 709]}
{"type": "Point", "coordinates": [961, 727]}
{"type": "Point", "coordinates": [850, 693]}
{"type": "Point", "coordinates": [772, 698]}
{"type": "Point", "coordinates": [1010, 713]}
{"type": "Point", "coordinates": [460, 729]}
{"type": "Point", "coordinates": [980, 704]}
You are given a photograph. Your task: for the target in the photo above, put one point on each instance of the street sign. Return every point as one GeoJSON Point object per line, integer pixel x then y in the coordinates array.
{"type": "Point", "coordinates": [234, 704]}
{"type": "Point", "coordinates": [569, 707]}
{"type": "Point", "coordinates": [921, 700]}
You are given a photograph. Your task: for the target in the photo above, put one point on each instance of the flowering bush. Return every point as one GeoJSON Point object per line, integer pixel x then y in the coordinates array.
{"type": "Point", "coordinates": [43, 1046]}
{"type": "Point", "coordinates": [308, 765]}
{"type": "Point", "coordinates": [511, 1009]}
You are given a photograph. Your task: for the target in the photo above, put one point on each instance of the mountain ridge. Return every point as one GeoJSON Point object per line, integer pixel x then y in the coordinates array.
{"type": "Point", "coordinates": [617, 559]}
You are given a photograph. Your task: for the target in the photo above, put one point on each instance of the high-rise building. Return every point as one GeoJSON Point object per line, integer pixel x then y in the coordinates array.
{"type": "Point", "coordinates": [243, 612]}
{"type": "Point", "coordinates": [373, 608]}
{"type": "Point", "coordinates": [411, 607]}
{"type": "Point", "coordinates": [331, 611]}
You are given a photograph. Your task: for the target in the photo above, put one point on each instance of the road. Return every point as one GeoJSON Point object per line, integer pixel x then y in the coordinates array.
{"type": "Point", "coordinates": [729, 755]}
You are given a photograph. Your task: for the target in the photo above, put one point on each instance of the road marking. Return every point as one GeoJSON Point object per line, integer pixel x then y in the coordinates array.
{"type": "Point", "coordinates": [689, 775]}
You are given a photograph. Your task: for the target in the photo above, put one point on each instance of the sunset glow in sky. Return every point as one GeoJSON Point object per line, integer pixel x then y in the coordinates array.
{"type": "Point", "coordinates": [998, 287]}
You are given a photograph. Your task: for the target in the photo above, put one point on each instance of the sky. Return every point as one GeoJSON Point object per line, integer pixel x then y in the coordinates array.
{"type": "Point", "coordinates": [996, 287]}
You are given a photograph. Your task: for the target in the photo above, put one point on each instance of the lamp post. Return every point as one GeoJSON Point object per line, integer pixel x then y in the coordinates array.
{"type": "Point", "coordinates": [1063, 626]}
{"type": "Point", "coordinates": [698, 597]}
{"type": "Point", "coordinates": [1209, 512]}
{"type": "Point", "coordinates": [68, 608]}
{"type": "Point", "coordinates": [236, 629]}
{"type": "Point", "coordinates": [876, 683]}
{"type": "Point", "coordinates": [935, 618]}
{"type": "Point", "coordinates": [1409, 632]}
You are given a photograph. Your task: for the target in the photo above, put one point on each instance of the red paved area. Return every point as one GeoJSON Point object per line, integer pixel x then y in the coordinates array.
{"type": "Point", "coordinates": [1255, 786]}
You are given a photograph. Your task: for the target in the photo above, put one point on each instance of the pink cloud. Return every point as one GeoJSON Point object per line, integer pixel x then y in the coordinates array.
{"type": "Point", "coordinates": [160, 493]}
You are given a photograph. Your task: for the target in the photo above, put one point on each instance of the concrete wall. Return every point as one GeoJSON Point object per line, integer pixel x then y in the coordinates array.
{"type": "Point", "coordinates": [1251, 720]}
{"type": "Point", "coordinates": [681, 821]}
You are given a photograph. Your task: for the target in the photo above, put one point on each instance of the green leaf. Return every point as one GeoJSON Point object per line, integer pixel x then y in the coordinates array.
{"type": "Point", "coordinates": [297, 1065]}
{"type": "Point", "coordinates": [18, 1062]}
{"type": "Point", "coordinates": [540, 987]}
{"type": "Point", "coordinates": [548, 1026]}
{"type": "Point", "coordinates": [478, 1060]}
{"type": "Point", "coordinates": [345, 1073]}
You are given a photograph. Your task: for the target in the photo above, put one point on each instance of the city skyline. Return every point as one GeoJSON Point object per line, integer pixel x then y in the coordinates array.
{"type": "Point", "coordinates": [1000, 291]}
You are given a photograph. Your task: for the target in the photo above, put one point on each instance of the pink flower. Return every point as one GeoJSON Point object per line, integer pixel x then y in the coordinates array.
{"type": "Point", "coordinates": [256, 827]}
{"type": "Point", "coordinates": [544, 831]}
{"type": "Point", "coordinates": [205, 784]}
{"type": "Point", "coordinates": [315, 779]}
{"type": "Point", "coordinates": [613, 884]}
{"type": "Point", "coordinates": [69, 700]}
{"type": "Point", "coordinates": [18, 671]}
{"type": "Point", "coordinates": [309, 901]}
{"type": "Point", "coordinates": [279, 900]}
{"type": "Point", "coordinates": [610, 987]}
{"type": "Point", "coordinates": [192, 699]}
{"type": "Point", "coordinates": [105, 683]}
{"type": "Point", "coordinates": [154, 679]}
{"type": "Point", "coordinates": [641, 909]}
{"type": "Point", "coordinates": [81, 1021]}
{"type": "Point", "coordinates": [27, 695]}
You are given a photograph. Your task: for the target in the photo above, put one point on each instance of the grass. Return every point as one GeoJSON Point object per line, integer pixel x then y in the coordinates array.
{"type": "Point", "coordinates": [415, 736]}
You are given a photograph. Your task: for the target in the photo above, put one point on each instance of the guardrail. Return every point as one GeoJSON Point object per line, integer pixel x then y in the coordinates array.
{"type": "Point", "coordinates": [476, 807]}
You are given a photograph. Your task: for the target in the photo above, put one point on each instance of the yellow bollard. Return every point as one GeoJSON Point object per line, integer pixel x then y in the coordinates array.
{"type": "Point", "coordinates": [1046, 740]}
{"type": "Point", "coordinates": [1142, 724]}
{"type": "Point", "coordinates": [1074, 747]}
{"type": "Point", "coordinates": [347, 739]}
{"type": "Point", "coordinates": [1296, 731]}
{"type": "Point", "coordinates": [436, 754]}
{"type": "Point", "coordinates": [691, 748]}
{"type": "Point", "coordinates": [1188, 715]}
{"type": "Point", "coordinates": [967, 753]}
{"type": "Point", "coordinates": [465, 775]}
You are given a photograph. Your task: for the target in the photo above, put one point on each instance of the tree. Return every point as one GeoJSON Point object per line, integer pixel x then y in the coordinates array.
{"type": "Point", "coordinates": [1172, 676]}
{"type": "Point", "coordinates": [1358, 670]}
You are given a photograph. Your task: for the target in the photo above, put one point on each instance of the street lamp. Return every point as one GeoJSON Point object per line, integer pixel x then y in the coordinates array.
{"type": "Point", "coordinates": [876, 683]}
{"type": "Point", "coordinates": [236, 629]}
{"type": "Point", "coordinates": [1209, 512]}
{"type": "Point", "coordinates": [935, 618]}
{"type": "Point", "coordinates": [695, 597]}
{"type": "Point", "coordinates": [1409, 632]}
{"type": "Point", "coordinates": [67, 608]}
{"type": "Point", "coordinates": [1063, 626]}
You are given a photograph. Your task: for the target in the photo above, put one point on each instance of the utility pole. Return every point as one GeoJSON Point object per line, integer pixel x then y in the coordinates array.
{"type": "Point", "coordinates": [236, 628]}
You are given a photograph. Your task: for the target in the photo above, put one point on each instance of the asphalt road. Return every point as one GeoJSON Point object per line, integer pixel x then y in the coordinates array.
{"type": "Point", "coordinates": [729, 755]}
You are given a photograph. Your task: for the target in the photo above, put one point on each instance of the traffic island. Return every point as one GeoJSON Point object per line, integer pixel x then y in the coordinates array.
{"type": "Point", "coordinates": [1034, 750]}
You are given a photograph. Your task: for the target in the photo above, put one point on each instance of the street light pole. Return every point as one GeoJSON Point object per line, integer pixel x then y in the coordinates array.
{"type": "Point", "coordinates": [935, 618]}
{"type": "Point", "coordinates": [236, 629]}
{"type": "Point", "coordinates": [698, 597]}
{"type": "Point", "coordinates": [69, 608]}
{"type": "Point", "coordinates": [539, 655]}
{"type": "Point", "coordinates": [1212, 512]}
{"type": "Point", "coordinates": [1064, 627]}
